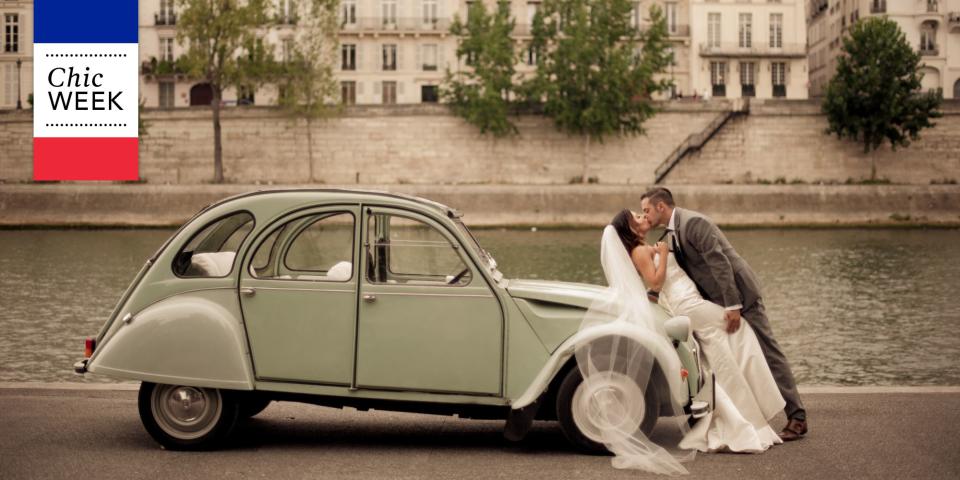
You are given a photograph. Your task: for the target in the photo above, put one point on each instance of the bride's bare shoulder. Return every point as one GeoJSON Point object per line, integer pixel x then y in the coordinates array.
{"type": "Point", "coordinates": [642, 253]}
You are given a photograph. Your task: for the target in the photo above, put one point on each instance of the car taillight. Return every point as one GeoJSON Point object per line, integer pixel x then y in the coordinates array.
{"type": "Point", "coordinates": [89, 346]}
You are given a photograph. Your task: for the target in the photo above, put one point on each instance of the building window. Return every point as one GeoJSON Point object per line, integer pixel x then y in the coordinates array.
{"type": "Point", "coordinates": [776, 30]}
{"type": "Point", "coordinates": [166, 49]}
{"type": "Point", "coordinates": [166, 15]}
{"type": "Point", "coordinates": [348, 57]}
{"type": "Point", "coordinates": [932, 6]}
{"type": "Point", "coordinates": [635, 15]}
{"type": "Point", "coordinates": [532, 8]}
{"type": "Point", "coordinates": [287, 46]}
{"type": "Point", "coordinates": [878, 6]}
{"type": "Point", "coordinates": [430, 13]}
{"type": "Point", "coordinates": [389, 57]}
{"type": "Point", "coordinates": [348, 92]}
{"type": "Point", "coordinates": [428, 56]}
{"type": "Point", "coordinates": [672, 17]}
{"type": "Point", "coordinates": [429, 94]}
{"type": "Point", "coordinates": [11, 33]}
{"type": "Point", "coordinates": [388, 94]}
{"type": "Point", "coordinates": [246, 95]}
{"type": "Point", "coordinates": [166, 90]}
{"type": "Point", "coordinates": [713, 30]}
{"type": "Point", "coordinates": [388, 13]}
{"type": "Point", "coordinates": [348, 13]}
{"type": "Point", "coordinates": [718, 78]}
{"type": "Point", "coordinates": [531, 55]}
{"type": "Point", "coordinates": [778, 74]}
{"type": "Point", "coordinates": [746, 30]}
{"type": "Point", "coordinates": [928, 39]}
{"type": "Point", "coordinates": [285, 13]}
{"type": "Point", "coordinates": [466, 16]}
{"type": "Point", "coordinates": [747, 79]}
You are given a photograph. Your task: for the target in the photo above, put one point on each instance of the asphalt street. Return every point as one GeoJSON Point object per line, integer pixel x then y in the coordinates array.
{"type": "Point", "coordinates": [96, 434]}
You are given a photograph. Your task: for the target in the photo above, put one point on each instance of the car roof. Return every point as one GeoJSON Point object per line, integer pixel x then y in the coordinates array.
{"type": "Point", "coordinates": [347, 194]}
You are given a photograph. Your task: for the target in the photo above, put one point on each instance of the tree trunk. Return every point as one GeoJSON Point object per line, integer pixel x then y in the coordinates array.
{"type": "Point", "coordinates": [586, 159]}
{"type": "Point", "coordinates": [310, 148]}
{"type": "Point", "coordinates": [217, 145]}
{"type": "Point", "coordinates": [873, 158]}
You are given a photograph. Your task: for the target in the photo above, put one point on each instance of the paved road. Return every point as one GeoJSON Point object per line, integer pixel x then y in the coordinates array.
{"type": "Point", "coordinates": [84, 434]}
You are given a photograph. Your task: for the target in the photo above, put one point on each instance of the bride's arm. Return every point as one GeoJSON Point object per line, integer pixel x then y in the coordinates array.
{"type": "Point", "coordinates": [653, 275]}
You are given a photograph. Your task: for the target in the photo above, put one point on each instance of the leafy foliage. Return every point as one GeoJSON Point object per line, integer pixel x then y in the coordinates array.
{"type": "Point", "coordinates": [875, 94]}
{"type": "Point", "coordinates": [305, 76]}
{"type": "Point", "coordinates": [481, 93]}
{"type": "Point", "coordinates": [224, 49]}
{"type": "Point", "coordinates": [590, 76]}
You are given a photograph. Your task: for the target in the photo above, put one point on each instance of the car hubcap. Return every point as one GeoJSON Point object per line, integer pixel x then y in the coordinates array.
{"type": "Point", "coordinates": [608, 406]}
{"type": "Point", "coordinates": [186, 412]}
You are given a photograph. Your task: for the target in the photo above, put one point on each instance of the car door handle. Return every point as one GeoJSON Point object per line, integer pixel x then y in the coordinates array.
{"type": "Point", "coordinates": [369, 298]}
{"type": "Point", "coordinates": [248, 291]}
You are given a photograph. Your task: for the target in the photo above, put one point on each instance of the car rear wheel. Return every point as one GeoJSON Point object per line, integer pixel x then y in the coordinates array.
{"type": "Point", "coordinates": [182, 417]}
{"type": "Point", "coordinates": [629, 407]}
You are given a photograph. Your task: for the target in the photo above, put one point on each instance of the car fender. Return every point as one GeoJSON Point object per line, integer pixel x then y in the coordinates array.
{"type": "Point", "coordinates": [659, 346]}
{"type": "Point", "coordinates": [189, 339]}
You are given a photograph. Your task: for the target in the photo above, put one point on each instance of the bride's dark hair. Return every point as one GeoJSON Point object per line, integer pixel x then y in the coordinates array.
{"type": "Point", "coordinates": [621, 223]}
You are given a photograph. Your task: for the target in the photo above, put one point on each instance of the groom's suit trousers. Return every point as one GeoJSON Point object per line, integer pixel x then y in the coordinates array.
{"type": "Point", "coordinates": [756, 316]}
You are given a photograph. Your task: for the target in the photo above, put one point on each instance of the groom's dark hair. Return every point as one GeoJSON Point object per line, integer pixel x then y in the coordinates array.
{"type": "Point", "coordinates": [659, 194]}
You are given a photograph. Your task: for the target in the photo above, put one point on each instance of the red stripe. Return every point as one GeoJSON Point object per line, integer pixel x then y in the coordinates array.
{"type": "Point", "coordinates": [85, 159]}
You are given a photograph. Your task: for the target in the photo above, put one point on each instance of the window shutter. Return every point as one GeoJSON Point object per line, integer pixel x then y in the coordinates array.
{"type": "Point", "coordinates": [377, 91]}
{"type": "Point", "coordinates": [359, 56]}
{"type": "Point", "coordinates": [400, 56]}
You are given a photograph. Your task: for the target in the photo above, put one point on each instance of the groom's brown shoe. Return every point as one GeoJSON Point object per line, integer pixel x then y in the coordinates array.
{"type": "Point", "coordinates": [795, 430]}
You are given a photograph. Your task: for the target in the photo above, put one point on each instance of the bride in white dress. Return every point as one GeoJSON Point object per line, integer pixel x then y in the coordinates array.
{"type": "Point", "coordinates": [747, 396]}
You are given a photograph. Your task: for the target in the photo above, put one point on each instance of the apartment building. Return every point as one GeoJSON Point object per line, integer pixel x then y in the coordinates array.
{"type": "Point", "coordinates": [749, 48]}
{"type": "Point", "coordinates": [16, 53]}
{"type": "Point", "coordinates": [931, 26]}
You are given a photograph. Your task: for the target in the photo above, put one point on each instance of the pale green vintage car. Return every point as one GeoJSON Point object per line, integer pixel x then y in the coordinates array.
{"type": "Point", "coordinates": [361, 299]}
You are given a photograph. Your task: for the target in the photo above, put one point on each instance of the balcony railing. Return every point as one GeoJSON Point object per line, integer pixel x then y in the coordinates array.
{"type": "Point", "coordinates": [953, 20]}
{"type": "Point", "coordinates": [400, 24]}
{"type": "Point", "coordinates": [929, 51]}
{"type": "Point", "coordinates": [878, 6]}
{"type": "Point", "coordinates": [933, 6]}
{"type": "Point", "coordinates": [733, 49]}
{"type": "Point", "coordinates": [779, 91]}
{"type": "Point", "coordinates": [679, 31]}
{"type": "Point", "coordinates": [164, 19]}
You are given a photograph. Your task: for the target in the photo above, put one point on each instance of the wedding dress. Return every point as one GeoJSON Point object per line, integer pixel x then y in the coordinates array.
{"type": "Point", "coordinates": [747, 396]}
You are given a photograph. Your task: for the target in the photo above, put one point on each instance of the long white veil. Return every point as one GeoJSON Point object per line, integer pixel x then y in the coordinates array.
{"type": "Point", "coordinates": [619, 371]}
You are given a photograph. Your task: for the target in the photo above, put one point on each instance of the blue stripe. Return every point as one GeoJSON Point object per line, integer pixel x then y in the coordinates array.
{"type": "Point", "coordinates": [73, 21]}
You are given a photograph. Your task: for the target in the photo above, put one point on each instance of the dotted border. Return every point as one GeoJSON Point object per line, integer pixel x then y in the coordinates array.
{"type": "Point", "coordinates": [57, 55]}
{"type": "Point", "coordinates": [86, 124]}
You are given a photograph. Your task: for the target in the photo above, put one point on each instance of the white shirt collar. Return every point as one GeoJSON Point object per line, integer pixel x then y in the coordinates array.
{"type": "Point", "coordinates": [672, 224]}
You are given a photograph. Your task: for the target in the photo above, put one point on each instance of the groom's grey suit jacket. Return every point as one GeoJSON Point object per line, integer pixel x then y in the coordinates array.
{"type": "Point", "coordinates": [710, 260]}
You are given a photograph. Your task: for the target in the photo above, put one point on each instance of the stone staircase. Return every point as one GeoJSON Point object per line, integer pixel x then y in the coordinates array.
{"type": "Point", "coordinates": [695, 141]}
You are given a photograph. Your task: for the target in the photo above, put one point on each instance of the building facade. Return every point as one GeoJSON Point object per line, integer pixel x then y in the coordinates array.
{"type": "Point", "coordinates": [749, 48]}
{"type": "Point", "coordinates": [16, 53]}
{"type": "Point", "coordinates": [931, 26]}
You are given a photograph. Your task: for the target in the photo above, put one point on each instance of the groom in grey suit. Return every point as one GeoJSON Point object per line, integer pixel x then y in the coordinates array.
{"type": "Point", "coordinates": [724, 278]}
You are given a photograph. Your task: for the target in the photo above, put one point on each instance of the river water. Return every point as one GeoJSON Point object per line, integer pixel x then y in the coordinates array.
{"type": "Point", "coordinates": [849, 307]}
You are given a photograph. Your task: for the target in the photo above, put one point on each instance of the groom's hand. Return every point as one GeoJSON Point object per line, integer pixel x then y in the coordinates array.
{"type": "Point", "coordinates": [733, 320]}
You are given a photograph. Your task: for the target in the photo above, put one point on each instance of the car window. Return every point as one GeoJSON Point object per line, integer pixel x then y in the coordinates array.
{"type": "Point", "coordinates": [315, 247]}
{"type": "Point", "coordinates": [404, 250]}
{"type": "Point", "coordinates": [212, 250]}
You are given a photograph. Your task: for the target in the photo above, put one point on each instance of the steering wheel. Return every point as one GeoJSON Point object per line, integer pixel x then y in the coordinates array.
{"type": "Point", "coordinates": [456, 278]}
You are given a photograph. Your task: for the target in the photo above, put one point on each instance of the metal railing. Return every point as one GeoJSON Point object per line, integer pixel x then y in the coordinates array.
{"type": "Point", "coordinates": [398, 24]}
{"type": "Point", "coordinates": [164, 19]}
{"type": "Point", "coordinates": [929, 51]}
{"type": "Point", "coordinates": [693, 142]}
{"type": "Point", "coordinates": [758, 49]}
{"type": "Point", "coordinates": [953, 20]}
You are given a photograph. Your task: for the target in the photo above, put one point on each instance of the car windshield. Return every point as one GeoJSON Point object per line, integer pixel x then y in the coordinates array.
{"type": "Point", "coordinates": [484, 255]}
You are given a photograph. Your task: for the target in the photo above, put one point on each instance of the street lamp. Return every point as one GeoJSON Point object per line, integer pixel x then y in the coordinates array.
{"type": "Point", "coordinates": [19, 104]}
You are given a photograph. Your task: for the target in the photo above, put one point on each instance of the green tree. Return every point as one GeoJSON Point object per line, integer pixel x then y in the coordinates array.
{"type": "Point", "coordinates": [591, 77]}
{"type": "Point", "coordinates": [304, 75]}
{"type": "Point", "coordinates": [481, 92]}
{"type": "Point", "coordinates": [875, 94]}
{"type": "Point", "coordinates": [225, 48]}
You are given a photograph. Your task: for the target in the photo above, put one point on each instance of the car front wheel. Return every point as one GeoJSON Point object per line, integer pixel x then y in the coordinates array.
{"type": "Point", "coordinates": [182, 417]}
{"type": "Point", "coordinates": [612, 403]}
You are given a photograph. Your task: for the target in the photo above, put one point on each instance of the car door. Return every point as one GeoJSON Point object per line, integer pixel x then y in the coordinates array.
{"type": "Point", "coordinates": [428, 320]}
{"type": "Point", "coordinates": [299, 296]}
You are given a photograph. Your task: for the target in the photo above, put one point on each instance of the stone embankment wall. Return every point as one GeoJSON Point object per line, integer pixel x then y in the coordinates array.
{"type": "Point", "coordinates": [425, 144]}
{"type": "Point", "coordinates": [785, 140]}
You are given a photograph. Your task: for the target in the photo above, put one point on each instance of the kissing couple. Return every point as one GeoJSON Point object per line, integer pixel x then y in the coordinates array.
{"type": "Point", "coordinates": [694, 271]}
